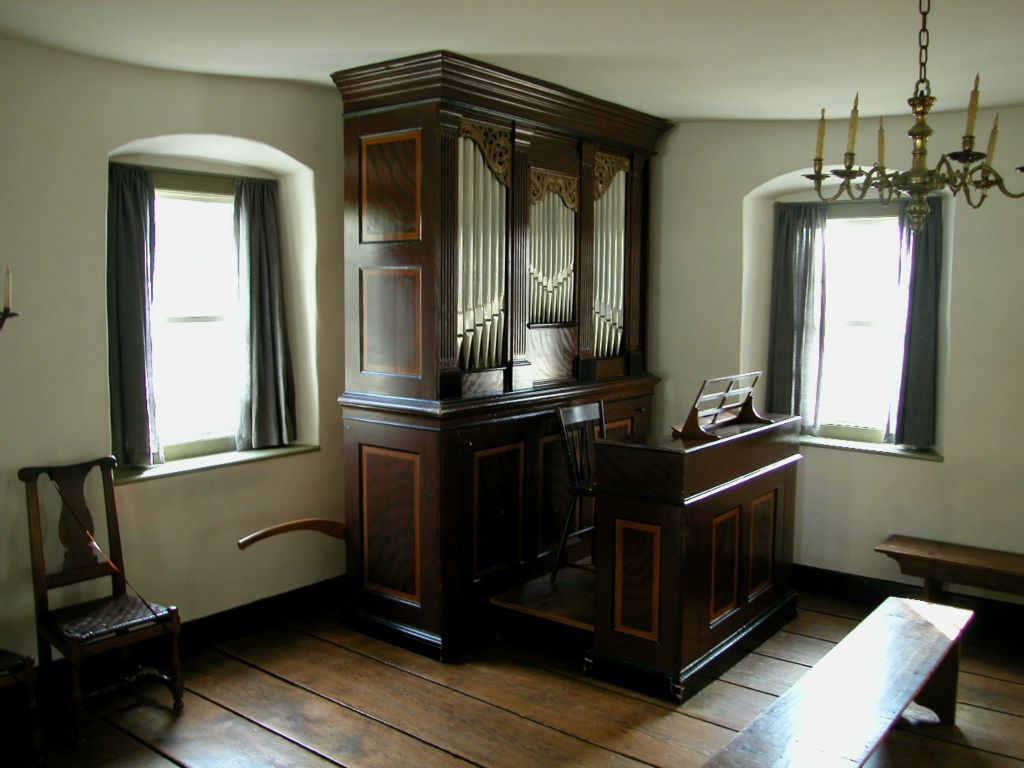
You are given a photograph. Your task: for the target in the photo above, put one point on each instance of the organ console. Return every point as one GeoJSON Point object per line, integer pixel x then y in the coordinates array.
{"type": "Point", "coordinates": [495, 269]}
{"type": "Point", "coordinates": [694, 541]}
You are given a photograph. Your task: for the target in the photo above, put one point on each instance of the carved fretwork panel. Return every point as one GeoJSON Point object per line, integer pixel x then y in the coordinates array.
{"type": "Point", "coordinates": [495, 144]}
{"type": "Point", "coordinates": [606, 168]}
{"type": "Point", "coordinates": [566, 187]}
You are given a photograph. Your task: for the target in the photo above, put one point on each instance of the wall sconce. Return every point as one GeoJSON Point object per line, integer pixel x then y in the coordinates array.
{"type": "Point", "coordinates": [6, 311]}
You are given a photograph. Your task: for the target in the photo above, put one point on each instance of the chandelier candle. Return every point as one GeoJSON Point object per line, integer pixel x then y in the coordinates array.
{"type": "Point", "coordinates": [881, 142]}
{"type": "Point", "coordinates": [821, 135]}
{"type": "Point", "coordinates": [991, 151]}
{"type": "Point", "coordinates": [972, 107]}
{"type": "Point", "coordinates": [852, 138]}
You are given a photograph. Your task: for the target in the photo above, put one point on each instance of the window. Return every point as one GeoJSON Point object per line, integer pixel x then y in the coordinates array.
{"type": "Point", "coordinates": [854, 325]}
{"type": "Point", "coordinates": [199, 354]}
{"type": "Point", "coordinates": [865, 314]}
{"type": "Point", "coordinates": [196, 322]}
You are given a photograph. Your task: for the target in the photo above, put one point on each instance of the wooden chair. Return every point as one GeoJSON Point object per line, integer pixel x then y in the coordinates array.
{"type": "Point", "coordinates": [88, 628]}
{"type": "Point", "coordinates": [580, 425]}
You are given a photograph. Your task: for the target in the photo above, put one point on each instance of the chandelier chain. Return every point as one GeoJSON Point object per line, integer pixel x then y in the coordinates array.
{"type": "Point", "coordinates": [923, 86]}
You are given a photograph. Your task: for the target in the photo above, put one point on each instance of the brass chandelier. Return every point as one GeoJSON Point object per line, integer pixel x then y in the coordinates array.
{"type": "Point", "coordinates": [964, 170]}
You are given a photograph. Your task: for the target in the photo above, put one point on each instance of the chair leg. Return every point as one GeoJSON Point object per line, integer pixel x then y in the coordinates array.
{"type": "Point", "coordinates": [76, 696]}
{"type": "Point", "coordinates": [177, 683]}
{"type": "Point", "coordinates": [565, 536]}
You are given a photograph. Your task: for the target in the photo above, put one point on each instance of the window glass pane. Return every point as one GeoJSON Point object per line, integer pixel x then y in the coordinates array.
{"type": "Point", "coordinates": [865, 314]}
{"type": "Point", "coordinates": [197, 347]}
{"type": "Point", "coordinates": [196, 372]}
{"type": "Point", "coordinates": [195, 273]}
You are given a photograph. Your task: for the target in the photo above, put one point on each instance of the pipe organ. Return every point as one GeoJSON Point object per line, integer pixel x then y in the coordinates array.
{"type": "Point", "coordinates": [495, 268]}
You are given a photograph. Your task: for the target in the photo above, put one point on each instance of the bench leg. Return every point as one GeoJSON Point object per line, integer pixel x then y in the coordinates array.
{"type": "Point", "coordinates": [939, 693]}
{"type": "Point", "coordinates": [932, 590]}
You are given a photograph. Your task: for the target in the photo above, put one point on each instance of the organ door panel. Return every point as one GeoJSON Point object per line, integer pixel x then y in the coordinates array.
{"type": "Point", "coordinates": [391, 172]}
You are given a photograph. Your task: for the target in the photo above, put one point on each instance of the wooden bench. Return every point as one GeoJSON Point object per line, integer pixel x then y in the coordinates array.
{"type": "Point", "coordinates": [839, 711]}
{"type": "Point", "coordinates": [939, 561]}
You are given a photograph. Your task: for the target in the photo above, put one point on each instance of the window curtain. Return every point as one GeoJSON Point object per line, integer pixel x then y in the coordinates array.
{"type": "Point", "coordinates": [268, 401]}
{"type": "Point", "coordinates": [915, 413]}
{"type": "Point", "coordinates": [795, 345]}
{"type": "Point", "coordinates": [130, 254]}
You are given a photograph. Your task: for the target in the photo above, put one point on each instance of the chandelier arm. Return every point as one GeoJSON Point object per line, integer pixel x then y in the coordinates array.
{"type": "Point", "coordinates": [886, 189]}
{"type": "Point", "coordinates": [969, 191]}
{"type": "Point", "coordinates": [844, 188]}
{"type": "Point", "coordinates": [990, 178]}
{"type": "Point", "coordinates": [945, 175]}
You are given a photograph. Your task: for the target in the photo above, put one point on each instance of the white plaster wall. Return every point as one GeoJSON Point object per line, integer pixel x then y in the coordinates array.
{"type": "Point", "coordinates": [848, 502]}
{"type": "Point", "coordinates": [63, 116]}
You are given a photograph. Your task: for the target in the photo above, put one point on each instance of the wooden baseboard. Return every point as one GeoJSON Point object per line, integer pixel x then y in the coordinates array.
{"type": "Point", "coordinates": [997, 623]}
{"type": "Point", "coordinates": [202, 633]}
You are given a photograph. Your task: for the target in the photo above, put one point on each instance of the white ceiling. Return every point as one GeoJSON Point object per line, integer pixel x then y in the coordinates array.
{"type": "Point", "coordinates": [678, 59]}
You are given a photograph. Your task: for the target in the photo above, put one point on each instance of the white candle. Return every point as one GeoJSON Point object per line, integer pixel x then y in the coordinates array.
{"type": "Point", "coordinates": [881, 143]}
{"type": "Point", "coordinates": [992, 142]}
{"type": "Point", "coordinates": [7, 289]}
{"type": "Point", "coordinates": [852, 138]}
{"type": "Point", "coordinates": [821, 137]}
{"type": "Point", "coordinates": [972, 107]}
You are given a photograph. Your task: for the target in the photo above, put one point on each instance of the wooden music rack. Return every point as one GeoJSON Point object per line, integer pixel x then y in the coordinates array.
{"type": "Point", "coordinates": [734, 404]}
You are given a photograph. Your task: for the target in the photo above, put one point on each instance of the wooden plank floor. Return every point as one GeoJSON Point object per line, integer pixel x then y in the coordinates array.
{"type": "Point", "coordinates": [313, 693]}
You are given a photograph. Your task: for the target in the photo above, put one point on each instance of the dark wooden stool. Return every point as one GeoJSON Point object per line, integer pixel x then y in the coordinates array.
{"type": "Point", "coordinates": [17, 671]}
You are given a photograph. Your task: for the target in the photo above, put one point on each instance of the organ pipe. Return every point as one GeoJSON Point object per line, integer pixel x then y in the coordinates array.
{"type": "Point", "coordinates": [480, 312]}
{"type": "Point", "coordinates": [609, 260]}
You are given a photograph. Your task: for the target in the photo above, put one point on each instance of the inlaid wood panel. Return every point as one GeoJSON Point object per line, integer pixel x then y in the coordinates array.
{"type": "Point", "coordinates": [637, 578]}
{"type": "Point", "coordinates": [725, 561]}
{"type": "Point", "coordinates": [498, 476]}
{"type": "Point", "coordinates": [391, 521]}
{"type": "Point", "coordinates": [390, 182]}
{"type": "Point", "coordinates": [762, 537]}
{"type": "Point", "coordinates": [390, 317]}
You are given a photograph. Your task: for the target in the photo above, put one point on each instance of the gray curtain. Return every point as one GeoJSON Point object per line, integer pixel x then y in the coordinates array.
{"type": "Point", "coordinates": [268, 403]}
{"type": "Point", "coordinates": [130, 248]}
{"type": "Point", "coordinates": [795, 340]}
{"type": "Point", "coordinates": [915, 414]}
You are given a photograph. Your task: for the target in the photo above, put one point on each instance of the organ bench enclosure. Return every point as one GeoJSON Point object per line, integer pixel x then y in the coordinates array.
{"type": "Point", "coordinates": [495, 267]}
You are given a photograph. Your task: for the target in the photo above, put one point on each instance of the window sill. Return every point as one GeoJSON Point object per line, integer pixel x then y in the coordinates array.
{"type": "Point", "coordinates": [201, 463]}
{"type": "Point", "coordinates": [884, 449]}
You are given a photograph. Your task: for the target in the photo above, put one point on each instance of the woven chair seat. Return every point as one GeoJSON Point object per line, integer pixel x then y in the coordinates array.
{"type": "Point", "coordinates": [106, 616]}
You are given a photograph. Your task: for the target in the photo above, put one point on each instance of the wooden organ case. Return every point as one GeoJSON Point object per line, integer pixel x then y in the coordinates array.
{"type": "Point", "coordinates": [495, 249]}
